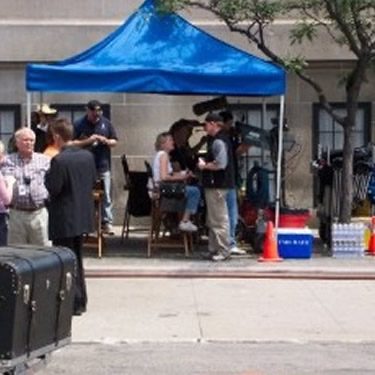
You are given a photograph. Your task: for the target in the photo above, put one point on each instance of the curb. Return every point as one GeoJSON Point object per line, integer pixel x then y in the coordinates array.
{"type": "Point", "coordinates": [285, 275]}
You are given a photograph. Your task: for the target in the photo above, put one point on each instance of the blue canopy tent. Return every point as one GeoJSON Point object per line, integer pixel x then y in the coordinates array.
{"type": "Point", "coordinates": [162, 54]}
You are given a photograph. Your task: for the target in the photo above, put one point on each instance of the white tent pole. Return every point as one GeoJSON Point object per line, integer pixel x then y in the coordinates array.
{"type": "Point", "coordinates": [28, 108]}
{"type": "Point", "coordinates": [279, 160]}
{"type": "Point", "coordinates": [263, 124]}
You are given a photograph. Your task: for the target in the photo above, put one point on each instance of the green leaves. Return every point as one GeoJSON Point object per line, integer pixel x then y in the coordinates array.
{"type": "Point", "coordinates": [303, 30]}
{"type": "Point", "coordinates": [167, 6]}
{"type": "Point", "coordinates": [295, 64]}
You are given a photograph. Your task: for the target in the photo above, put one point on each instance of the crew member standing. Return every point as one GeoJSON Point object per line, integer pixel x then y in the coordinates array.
{"type": "Point", "coordinates": [236, 149]}
{"type": "Point", "coordinates": [28, 216]}
{"type": "Point", "coordinates": [217, 180]}
{"type": "Point", "coordinates": [96, 133]}
{"type": "Point", "coordinates": [70, 182]}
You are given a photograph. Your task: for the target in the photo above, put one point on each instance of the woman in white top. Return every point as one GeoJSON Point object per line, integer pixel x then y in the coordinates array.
{"type": "Point", "coordinates": [162, 171]}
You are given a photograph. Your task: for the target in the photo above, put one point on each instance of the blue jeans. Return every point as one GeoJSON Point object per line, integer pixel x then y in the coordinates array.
{"type": "Point", "coordinates": [232, 206]}
{"type": "Point", "coordinates": [193, 195]}
{"type": "Point", "coordinates": [107, 216]}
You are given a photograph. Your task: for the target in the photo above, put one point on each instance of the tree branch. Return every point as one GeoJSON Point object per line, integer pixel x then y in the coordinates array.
{"type": "Point", "coordinates": [319, 22]}
{"type": "Point", "coordinates": [336, 15]}
{"type": "Point", "coordinates": [304, 76]}
{"type": "Point", "coordinates": [260, 43]}
{"type": "Point", "coordinates": [362, 37]}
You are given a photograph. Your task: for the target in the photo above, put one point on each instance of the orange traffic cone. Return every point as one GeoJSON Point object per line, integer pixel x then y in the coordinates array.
{"type": "Point", "coordinates": [371, 245]}
{"type": "Point", "coordinates": [270, 253]}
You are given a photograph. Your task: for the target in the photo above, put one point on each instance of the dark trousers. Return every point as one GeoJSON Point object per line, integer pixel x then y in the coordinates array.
{"type": "Point", "coordinates": [80, 297]}
{"type": "Point", "coordinates": [3, 229]}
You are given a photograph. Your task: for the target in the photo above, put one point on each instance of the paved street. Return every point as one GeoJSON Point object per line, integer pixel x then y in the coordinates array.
{"type": "Point", "coordinates": [223, 326]}
{"type": "Point", "coordinates": [214, 359]}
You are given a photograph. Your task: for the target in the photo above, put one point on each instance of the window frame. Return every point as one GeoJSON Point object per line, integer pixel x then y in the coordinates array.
{"type": "Point", "coordinates": [366, 106]}
{"type": "Point", "coordinates": [275, 107]}
{"type": "Point", "coordinates": [17, 109]}
{"type": "Point", "coordinates": [81, 107]}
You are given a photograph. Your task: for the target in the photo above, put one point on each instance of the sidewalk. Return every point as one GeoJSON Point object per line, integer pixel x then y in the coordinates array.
{"type": "Point", "coordinates": [229, 310]}
{"type": "Point", "coordinates": [130, 260]}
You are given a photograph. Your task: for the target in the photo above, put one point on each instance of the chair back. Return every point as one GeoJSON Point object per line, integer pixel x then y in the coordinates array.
{"type": "Point", "coordinates": [149, 169]}
{"type": "Point", "coordinates": [150, 174]}
{"type": "Point", "coordinates": [139, 200]}
{"type": "Point", "coordinates": [125, 168]}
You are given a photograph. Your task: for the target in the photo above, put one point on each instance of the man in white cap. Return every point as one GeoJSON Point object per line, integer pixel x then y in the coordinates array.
{"type": "Point", "coordinates": [46, 115]}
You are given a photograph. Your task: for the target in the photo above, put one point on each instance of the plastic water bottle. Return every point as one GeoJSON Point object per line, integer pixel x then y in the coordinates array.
{"type": "Point", "coordinates": [337, 241]}
{"type": "Point", "coordinates": [348, 240]}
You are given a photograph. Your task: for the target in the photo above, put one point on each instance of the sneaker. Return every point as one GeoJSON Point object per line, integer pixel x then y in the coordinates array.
{"type": "Point", "coordinates": [207, 255]}
{"type": "Point", "coordinates": [220, 257]}
{"type": "Point", "coordinates": [108, 229]}
{"type": "Point", "coordinates": [187, 226]}
{"type": "Point", "coordinates": [237, 251]}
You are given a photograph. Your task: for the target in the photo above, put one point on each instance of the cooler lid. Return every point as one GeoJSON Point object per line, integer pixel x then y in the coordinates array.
{"type": "Point", "coordinates": [294, 231]}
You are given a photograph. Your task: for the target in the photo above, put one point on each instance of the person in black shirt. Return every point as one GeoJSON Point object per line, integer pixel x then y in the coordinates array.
{"type": "Point", "coordinates": [96, 133]}
{"type": "Point", "coordinates": [70, 183]}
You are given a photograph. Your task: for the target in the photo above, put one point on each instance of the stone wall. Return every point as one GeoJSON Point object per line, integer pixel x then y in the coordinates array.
{"type": "Point", "coordinates": [49, 31]}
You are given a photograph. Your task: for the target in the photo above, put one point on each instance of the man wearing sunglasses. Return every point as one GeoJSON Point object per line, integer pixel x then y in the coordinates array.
{"type": "Point", "coordinates": [96, 133]}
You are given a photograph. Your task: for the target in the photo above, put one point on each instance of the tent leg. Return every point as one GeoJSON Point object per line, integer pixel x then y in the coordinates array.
{"type": "Point", "coordinates": [28, 109]}
{"type": "Point", "coordinates": [263, 124]}
{"type": "Point", "coordinates": [279, 159]}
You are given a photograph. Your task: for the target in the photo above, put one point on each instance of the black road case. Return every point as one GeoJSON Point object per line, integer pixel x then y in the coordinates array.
{"type": "Point", "coordinates": [36, 302]}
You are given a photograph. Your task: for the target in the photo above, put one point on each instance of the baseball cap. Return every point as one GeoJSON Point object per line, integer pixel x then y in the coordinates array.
{"type": "Point", "coordinates": [213, 117]}
{"type": "Point", "coordinates": [94, 105]}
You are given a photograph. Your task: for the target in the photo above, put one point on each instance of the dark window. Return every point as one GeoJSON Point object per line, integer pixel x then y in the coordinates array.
{"type": "Point", "coordinates": [328, 133]}
{"type": "Point", "coordinates": [10, 121]}
{"type": "Point", "coordinates": [252, 114]}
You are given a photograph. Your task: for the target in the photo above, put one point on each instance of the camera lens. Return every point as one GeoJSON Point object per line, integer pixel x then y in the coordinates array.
{"type": "Point", "coordinates": [26, 180]}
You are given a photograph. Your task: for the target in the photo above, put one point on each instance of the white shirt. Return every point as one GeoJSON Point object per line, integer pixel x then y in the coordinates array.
{"type": "Point", "coordinates": [156, 166]}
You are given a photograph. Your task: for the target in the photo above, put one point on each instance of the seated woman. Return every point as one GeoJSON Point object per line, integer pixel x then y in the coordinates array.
{"type": "Point", "coordinates": [162, 171]}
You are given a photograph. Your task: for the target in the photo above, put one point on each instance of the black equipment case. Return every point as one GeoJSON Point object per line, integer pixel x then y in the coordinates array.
{"type": "Point", "coordinates": [36, 302]}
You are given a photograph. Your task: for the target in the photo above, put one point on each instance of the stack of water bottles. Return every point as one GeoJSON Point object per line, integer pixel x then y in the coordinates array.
{"type": "Point", "coordinates": [348, 240]}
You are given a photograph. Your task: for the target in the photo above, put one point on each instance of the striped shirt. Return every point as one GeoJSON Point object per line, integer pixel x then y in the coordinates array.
{"type": "Point", "coordinates": [29, 191]}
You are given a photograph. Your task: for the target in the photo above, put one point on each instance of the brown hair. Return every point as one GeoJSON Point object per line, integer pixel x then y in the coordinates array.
{"type": "Point", "coordinates": [63, 128]}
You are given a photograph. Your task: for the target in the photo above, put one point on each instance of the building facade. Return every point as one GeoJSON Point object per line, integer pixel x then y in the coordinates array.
{"type": "Point", "coordinates": [40, 31]}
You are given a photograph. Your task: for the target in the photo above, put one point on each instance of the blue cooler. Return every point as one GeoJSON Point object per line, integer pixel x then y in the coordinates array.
{"type": "Point", "coordinates": [295, 242]}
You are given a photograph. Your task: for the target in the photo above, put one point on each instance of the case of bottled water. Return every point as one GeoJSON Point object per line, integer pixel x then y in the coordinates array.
{"type": "Point", "coordinates": [348, 240]}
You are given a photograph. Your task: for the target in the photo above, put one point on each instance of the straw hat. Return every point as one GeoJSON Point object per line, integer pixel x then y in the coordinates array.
{"type": "Point", "coordinates": [46, 109]}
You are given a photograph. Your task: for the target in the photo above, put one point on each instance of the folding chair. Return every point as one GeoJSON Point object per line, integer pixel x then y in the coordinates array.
{"type": "Point", "coordinates": [138, 202]}
{"type": "Point", "coordinates": [158, 217]}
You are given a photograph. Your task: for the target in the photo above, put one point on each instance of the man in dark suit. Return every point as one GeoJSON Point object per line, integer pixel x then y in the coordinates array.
{"type": "Point", "coordinates": [70, 182]}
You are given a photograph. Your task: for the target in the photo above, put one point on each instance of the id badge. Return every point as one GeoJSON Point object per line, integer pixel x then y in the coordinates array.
{"type": "Point", "coordinates": [22, 190]}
